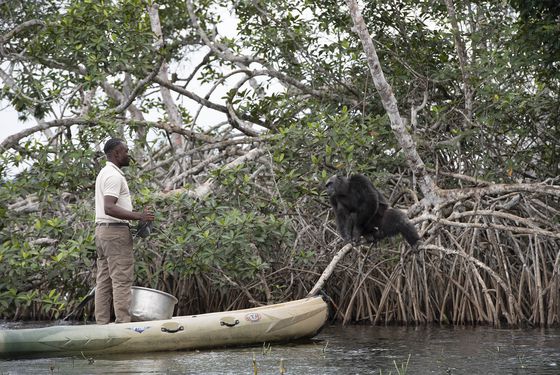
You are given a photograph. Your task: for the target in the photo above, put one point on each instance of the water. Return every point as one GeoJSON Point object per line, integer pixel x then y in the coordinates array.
{"type": "Point", "coordinates": [340, 350]}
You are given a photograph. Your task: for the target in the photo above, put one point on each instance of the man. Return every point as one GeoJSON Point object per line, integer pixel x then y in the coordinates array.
{"type": "Point", "coordinates": [113, 240]}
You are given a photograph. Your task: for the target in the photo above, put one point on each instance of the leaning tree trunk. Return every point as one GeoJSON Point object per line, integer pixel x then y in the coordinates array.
{"type": "Point", "coordinates": [427, 184]}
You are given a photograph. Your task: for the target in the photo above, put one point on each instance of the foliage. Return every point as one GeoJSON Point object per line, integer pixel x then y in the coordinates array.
{"type": "Point", "coordinates": [539, 28]}
{"type": "Point", "coordinates": [197, 238]}
{"type": "Point", "coordinates": [290, 81]}
{"type": "Point", "coordinates": [37, 275]}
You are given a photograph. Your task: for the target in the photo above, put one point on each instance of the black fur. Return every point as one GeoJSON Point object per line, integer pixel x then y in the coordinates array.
{"type": "Point", "coordinates": [355, 202]}
{"type": "Point", "coordinates": [393, 222]}
{"type": "Point", "coordinates": [361, 210]}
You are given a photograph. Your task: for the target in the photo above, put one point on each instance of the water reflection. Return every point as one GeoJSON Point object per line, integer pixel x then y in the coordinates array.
{"type": "Point", "coordinates": [341, 350]}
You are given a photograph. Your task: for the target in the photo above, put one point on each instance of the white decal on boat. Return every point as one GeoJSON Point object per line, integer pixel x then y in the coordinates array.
{"type": "Point", "coordinates": [138, 329]}
{"type": "Point", "coordinates": [253, 317]}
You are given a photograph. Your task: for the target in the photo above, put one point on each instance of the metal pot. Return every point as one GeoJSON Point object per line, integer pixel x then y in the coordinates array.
{"type": "Point", "coordinates": [151, 304]}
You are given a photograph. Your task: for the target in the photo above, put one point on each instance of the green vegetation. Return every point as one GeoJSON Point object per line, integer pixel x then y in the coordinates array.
{"type": "Point", "coordinates": [236, 140]}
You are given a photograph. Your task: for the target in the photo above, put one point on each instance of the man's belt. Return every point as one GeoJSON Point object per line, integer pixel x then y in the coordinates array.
{"type": "Point", "coordinates": [112, 225]}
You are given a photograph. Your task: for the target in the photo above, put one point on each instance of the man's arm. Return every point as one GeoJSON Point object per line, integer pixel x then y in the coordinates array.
{"type": "Point", "coordinates": [111, 209]}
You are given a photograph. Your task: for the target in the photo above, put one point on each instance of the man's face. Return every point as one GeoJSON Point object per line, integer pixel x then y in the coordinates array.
{"type": "Point", "coordinates": [121, 155]}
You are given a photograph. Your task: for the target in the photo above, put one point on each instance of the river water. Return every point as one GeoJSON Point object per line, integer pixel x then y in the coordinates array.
{"type": "Point", "coordinates": [340, 350]}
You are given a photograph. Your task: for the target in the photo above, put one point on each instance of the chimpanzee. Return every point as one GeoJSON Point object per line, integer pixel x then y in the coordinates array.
{"type": "Point", "coordinates": [361, 210]}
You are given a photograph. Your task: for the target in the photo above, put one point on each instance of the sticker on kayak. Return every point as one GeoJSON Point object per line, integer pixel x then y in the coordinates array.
{"type": "Point", "coordinates": [253, 317]}
{"type": "Point", "coordinates": [139, 329]}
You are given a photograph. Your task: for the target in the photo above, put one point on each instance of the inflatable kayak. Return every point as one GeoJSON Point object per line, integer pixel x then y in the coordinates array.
{"type": "Point", "coordinates": [280, 322]}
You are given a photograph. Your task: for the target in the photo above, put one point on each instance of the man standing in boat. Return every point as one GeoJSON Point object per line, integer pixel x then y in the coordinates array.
{"type": "Point", "coordinates": [113, 240]}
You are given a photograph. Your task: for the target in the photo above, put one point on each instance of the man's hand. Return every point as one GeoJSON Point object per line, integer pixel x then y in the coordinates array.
{"type": "Point", "coordinates": [147, 215]}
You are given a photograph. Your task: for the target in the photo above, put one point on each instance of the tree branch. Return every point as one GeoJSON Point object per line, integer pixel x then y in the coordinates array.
{"type": "Point", "coordinates": [204, 189]}
{"type": "Point", "coordinates": [329, 270]}
{"type": "Point", "coordinates": [462, 55]}
{"type": "Point", "coordinates": [170, 106]}
{"type": "Point", "coordinates": [427, 184]}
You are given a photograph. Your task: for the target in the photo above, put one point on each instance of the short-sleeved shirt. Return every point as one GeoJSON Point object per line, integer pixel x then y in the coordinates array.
{"type": "Point", "coordinates": [111, 181]}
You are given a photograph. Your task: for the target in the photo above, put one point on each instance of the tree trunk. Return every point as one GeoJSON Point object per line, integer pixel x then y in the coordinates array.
{"type": "Point", "coordinates": [427, 185]}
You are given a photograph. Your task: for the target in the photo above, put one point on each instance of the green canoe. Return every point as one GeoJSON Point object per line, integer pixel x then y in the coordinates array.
{"type": "Point", "coordinates": [280, 322]}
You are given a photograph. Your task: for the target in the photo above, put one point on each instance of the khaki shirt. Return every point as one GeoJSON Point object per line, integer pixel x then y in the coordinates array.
{"type": "Point", "coordinates": [111, 181]}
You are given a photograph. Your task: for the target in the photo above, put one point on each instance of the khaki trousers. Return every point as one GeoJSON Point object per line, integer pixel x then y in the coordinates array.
{"type": "Point", "coordinates": [115, 273]}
